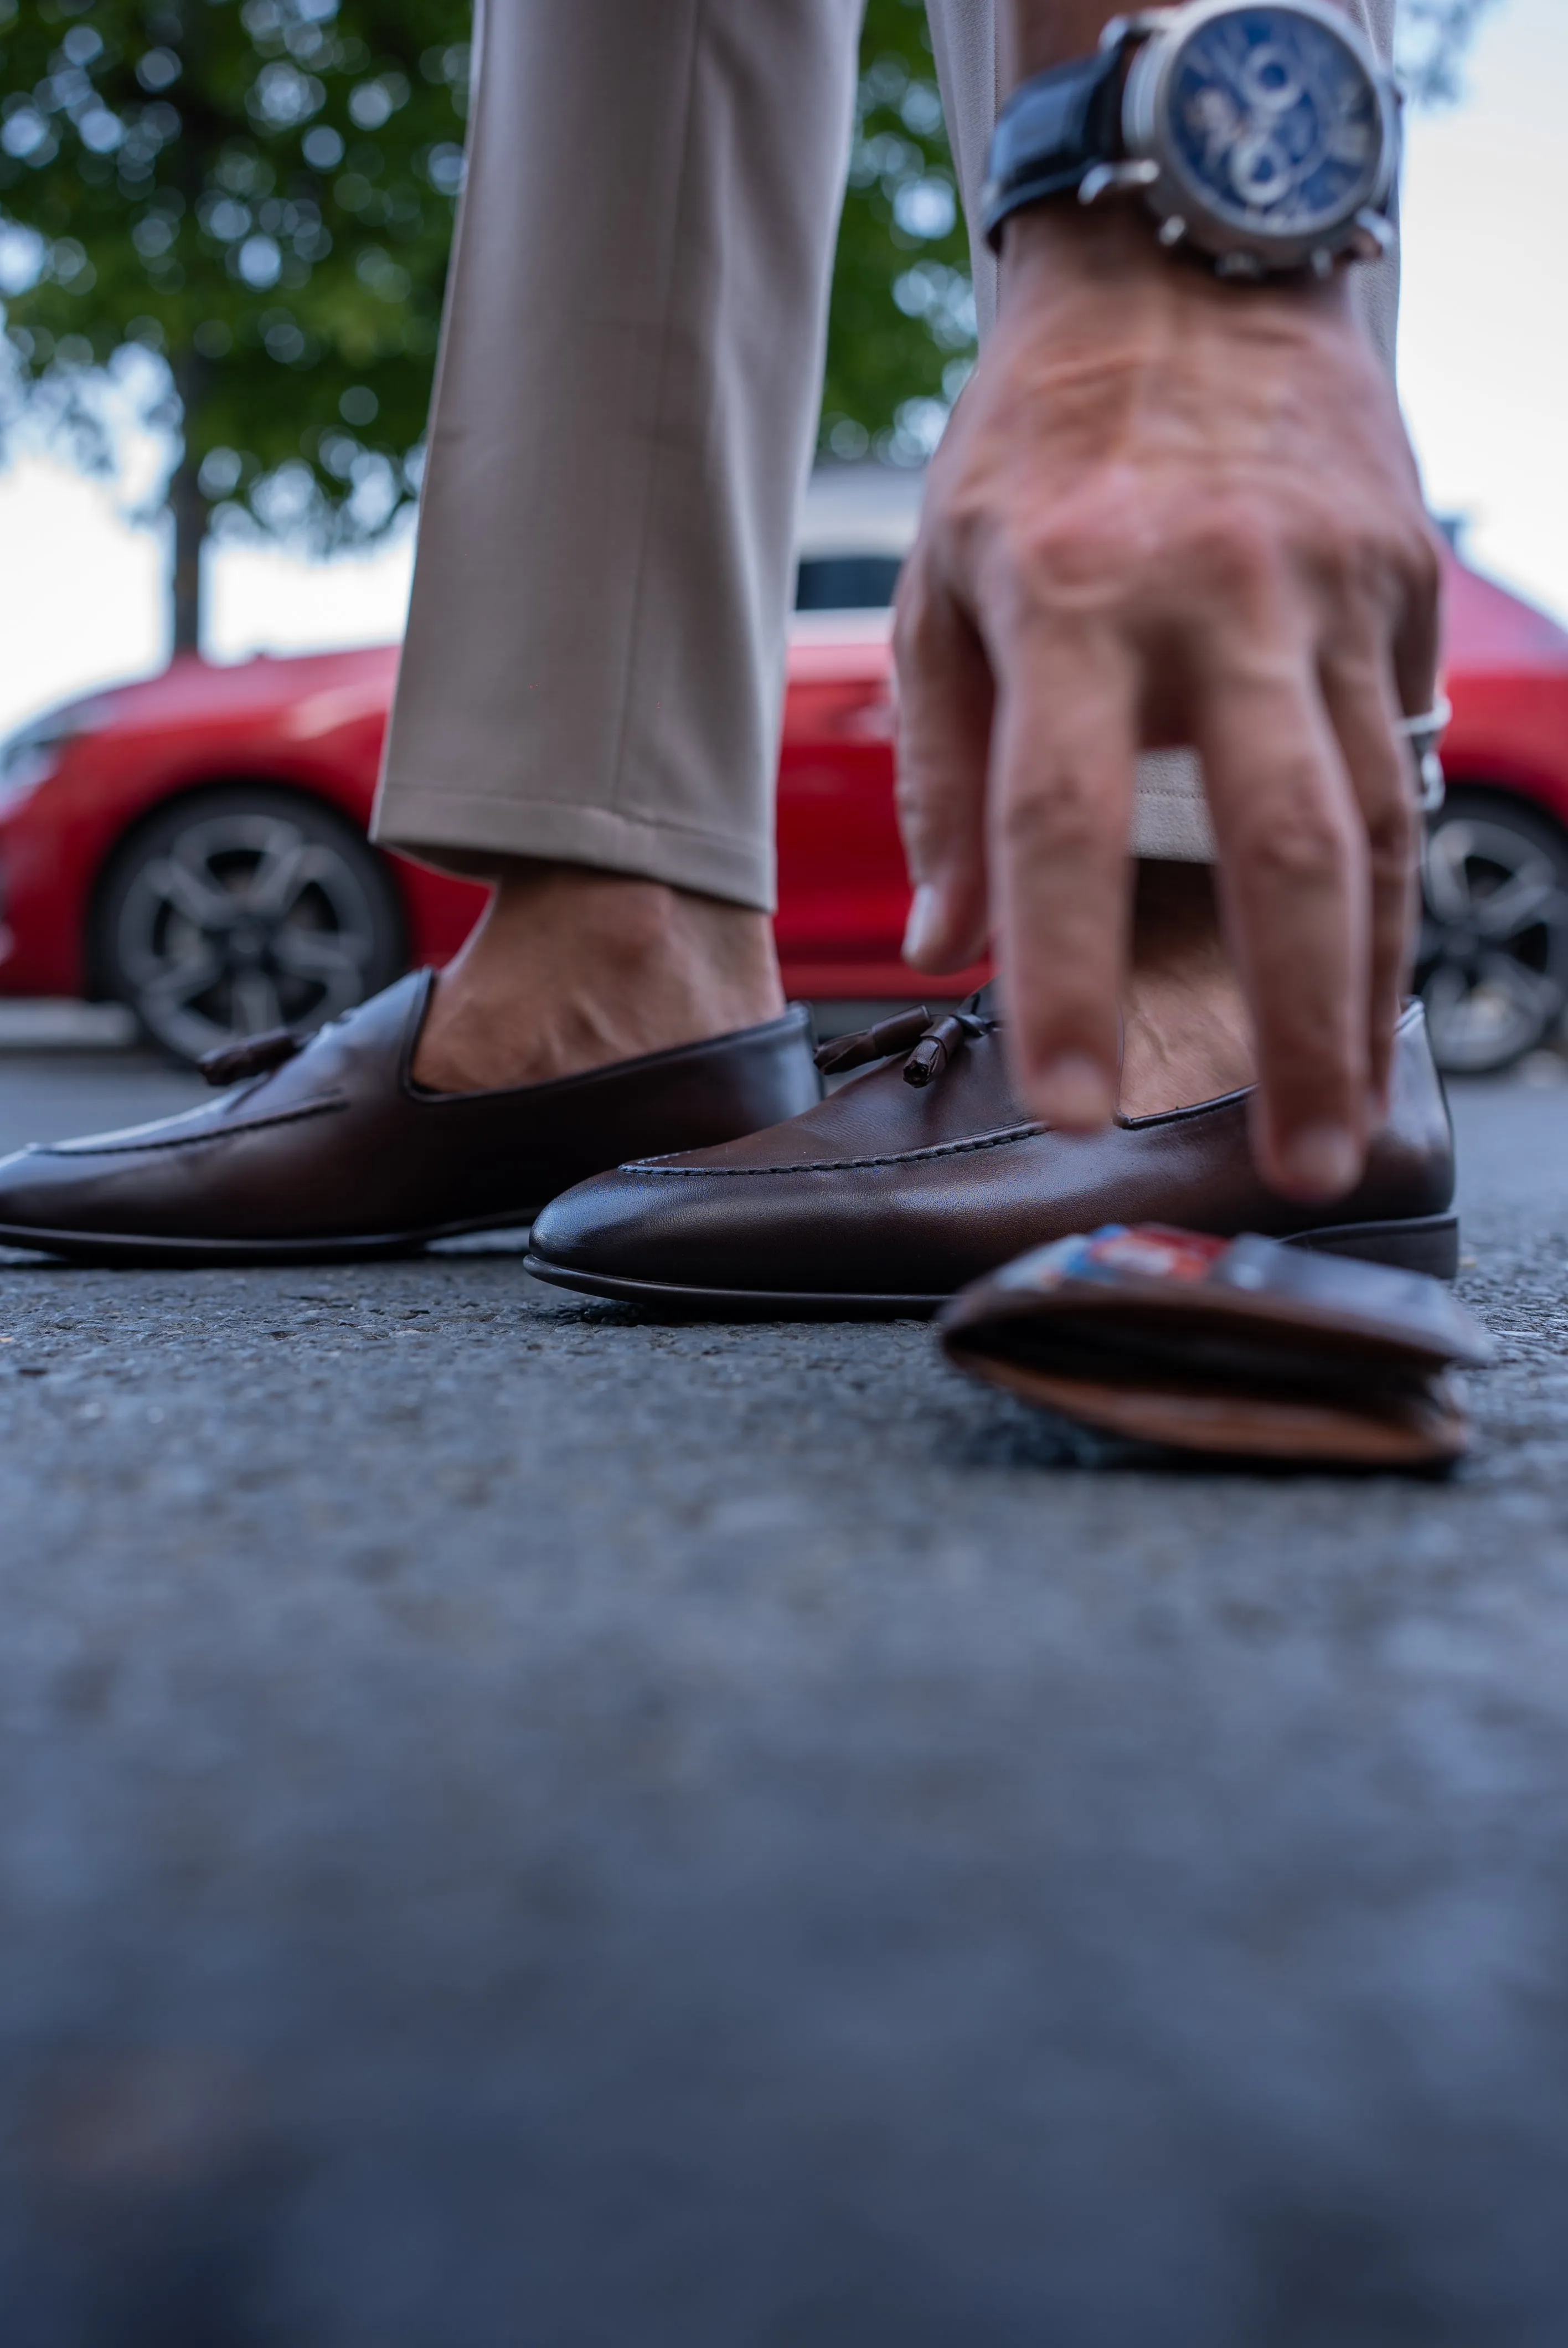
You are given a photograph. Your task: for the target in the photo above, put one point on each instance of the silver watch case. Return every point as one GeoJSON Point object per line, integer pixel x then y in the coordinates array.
{"type": "Point", "coordinates": [1238, 247]}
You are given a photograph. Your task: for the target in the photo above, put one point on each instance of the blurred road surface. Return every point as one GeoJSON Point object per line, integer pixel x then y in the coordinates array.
{"type": "Point", "coordinates": [525, 1828]}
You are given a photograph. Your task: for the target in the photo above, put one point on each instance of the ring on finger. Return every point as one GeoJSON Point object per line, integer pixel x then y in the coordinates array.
{"type": "Point", "coordinates": [1424, 734]}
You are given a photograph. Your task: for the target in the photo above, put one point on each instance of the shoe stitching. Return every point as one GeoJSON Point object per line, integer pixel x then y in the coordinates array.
{"type": "Point", "coordinates": [196, 1140]}
{"type": "Point", "coordinates": [844, 1165]}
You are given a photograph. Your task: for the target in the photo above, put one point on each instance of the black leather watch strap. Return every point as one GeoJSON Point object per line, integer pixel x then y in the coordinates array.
{"type": "Point", "coordinates": [1051, 134]}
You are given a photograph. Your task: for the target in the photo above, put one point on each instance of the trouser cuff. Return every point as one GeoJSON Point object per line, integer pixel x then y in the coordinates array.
{"type": "Point", "coordinates": [441, 825]}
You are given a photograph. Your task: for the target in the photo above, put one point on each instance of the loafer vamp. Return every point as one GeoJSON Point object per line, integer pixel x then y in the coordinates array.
{"type": "Point", "coordinates": [320, 1147]}
{"type": "Point", "coordinates": [333, 1169]}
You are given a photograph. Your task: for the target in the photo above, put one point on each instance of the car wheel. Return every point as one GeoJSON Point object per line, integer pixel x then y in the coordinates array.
{"type": "Point", "coordinates": [244, 909]}
{"type": "Point", "coordinates": [1493, 962]}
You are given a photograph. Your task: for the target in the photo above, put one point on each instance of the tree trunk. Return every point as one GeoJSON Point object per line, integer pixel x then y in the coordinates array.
{"type": "Point", "coordinates": [188, 507]}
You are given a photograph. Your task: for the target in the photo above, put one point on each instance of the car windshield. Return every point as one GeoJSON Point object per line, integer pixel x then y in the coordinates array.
{"type": "Point", "coordinates": [28, 755]}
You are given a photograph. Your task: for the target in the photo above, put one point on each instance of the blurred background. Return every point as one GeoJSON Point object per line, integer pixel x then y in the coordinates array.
{"type": "Point", "coordinates": [223, 239]}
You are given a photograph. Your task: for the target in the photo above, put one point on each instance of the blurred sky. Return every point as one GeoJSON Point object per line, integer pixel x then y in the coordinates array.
{"type": "Point", "coordinates": [1484, 360]}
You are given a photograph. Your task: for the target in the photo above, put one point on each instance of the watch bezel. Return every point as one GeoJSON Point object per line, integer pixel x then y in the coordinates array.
{"type": "Point", "coordinates": [1180, 203]}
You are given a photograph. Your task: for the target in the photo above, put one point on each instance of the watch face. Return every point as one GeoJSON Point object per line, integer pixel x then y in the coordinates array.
{"type": "Point", "coordinates": [1275, 121]}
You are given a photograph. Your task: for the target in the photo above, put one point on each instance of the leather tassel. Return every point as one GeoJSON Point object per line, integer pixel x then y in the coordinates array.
{"type": "Point", "coordinates": [878, 1042]}
{"type": "Point", "coordinates": [255, 1056]}
{"type": "Point", "coordinates": [934, 1049]}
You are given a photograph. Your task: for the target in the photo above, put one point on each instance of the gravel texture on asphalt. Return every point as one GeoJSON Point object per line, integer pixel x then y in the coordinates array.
{"type": "Point", "coordinates": [524, 1826]}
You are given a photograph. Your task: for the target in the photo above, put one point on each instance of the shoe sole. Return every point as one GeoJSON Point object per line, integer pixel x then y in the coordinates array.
{"type": "Point", "coordinates": [1426, 1244]}
{"type": "Point", "coordinates": [127, 1250]}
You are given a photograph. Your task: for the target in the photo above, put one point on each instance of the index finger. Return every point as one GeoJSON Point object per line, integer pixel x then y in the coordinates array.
{"type": "Point", "coordinates": [1064, 758]}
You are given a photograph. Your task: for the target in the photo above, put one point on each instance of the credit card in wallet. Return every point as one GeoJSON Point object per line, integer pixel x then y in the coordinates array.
{"type": "Point", "coordinates": [1240, 1348]}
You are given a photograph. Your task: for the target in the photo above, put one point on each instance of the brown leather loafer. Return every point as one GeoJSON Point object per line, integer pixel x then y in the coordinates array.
{"type": "Point", "coordinates": [328, 1151]}
{"type": "Point", "coordinates": [925, 1174]}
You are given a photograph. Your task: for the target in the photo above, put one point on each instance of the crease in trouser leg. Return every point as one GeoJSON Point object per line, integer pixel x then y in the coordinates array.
{"type": "Point", "coordinates": [625, 411]}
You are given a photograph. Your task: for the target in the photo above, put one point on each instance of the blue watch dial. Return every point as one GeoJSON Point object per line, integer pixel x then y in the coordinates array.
{"type": "Point", "coordinates": [1276, 121]}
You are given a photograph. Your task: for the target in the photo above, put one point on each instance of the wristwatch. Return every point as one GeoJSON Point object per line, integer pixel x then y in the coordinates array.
{"type": "Point", "coordinates": [1264, 136]}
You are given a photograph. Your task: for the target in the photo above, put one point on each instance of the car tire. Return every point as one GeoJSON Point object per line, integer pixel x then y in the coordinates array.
{"type": "Point", "coordinates": [1492, 967]}
{"type": "Point", "coordinates": [240, 909]}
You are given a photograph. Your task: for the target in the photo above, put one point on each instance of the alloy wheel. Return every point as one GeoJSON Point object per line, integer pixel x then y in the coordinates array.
{"type": "Point", "coordinates": [1493, 963]}
{"type": "Point", "coordinates": [240, 919]}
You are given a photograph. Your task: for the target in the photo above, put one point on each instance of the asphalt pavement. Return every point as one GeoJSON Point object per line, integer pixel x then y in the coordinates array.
{"type": "Point", "coordinates": [527, 1827]}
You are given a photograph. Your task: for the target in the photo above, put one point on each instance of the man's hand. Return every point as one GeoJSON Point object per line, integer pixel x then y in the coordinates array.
{"type": "Point", "coordinates": [1169, 511]}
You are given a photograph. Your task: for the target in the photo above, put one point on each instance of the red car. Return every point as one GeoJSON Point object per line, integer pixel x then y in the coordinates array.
{"type": "Point", "coordinates": [194, 845]}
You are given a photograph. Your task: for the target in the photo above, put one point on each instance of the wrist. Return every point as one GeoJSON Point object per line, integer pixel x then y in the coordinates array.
{"type": "Point", "coordinates": [1052, 249]}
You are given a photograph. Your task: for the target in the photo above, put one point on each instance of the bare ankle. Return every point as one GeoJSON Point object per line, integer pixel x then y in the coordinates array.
{"type": "Point", "coordinates": [571, 969]}
{"type": "Point", "coordinates": [1187, 1035]}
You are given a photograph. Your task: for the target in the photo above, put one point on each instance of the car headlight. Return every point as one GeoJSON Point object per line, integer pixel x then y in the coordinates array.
{"type": "Point", "coordinates": [30, 756]}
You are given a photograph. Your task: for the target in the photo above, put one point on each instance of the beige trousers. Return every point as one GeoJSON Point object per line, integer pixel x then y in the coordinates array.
{"type": "Point", "coordinates": [626, 405]}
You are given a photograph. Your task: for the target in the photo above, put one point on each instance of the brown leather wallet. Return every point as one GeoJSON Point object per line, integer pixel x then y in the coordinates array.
{"type": "Point", "coordinates": [1241, 1347]}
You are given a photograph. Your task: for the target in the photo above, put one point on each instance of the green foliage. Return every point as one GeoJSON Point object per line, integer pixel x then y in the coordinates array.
{"type": "Point", "coordinates": [901, 329]}
{"type": "Point", "coordinates": [263, 194]}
